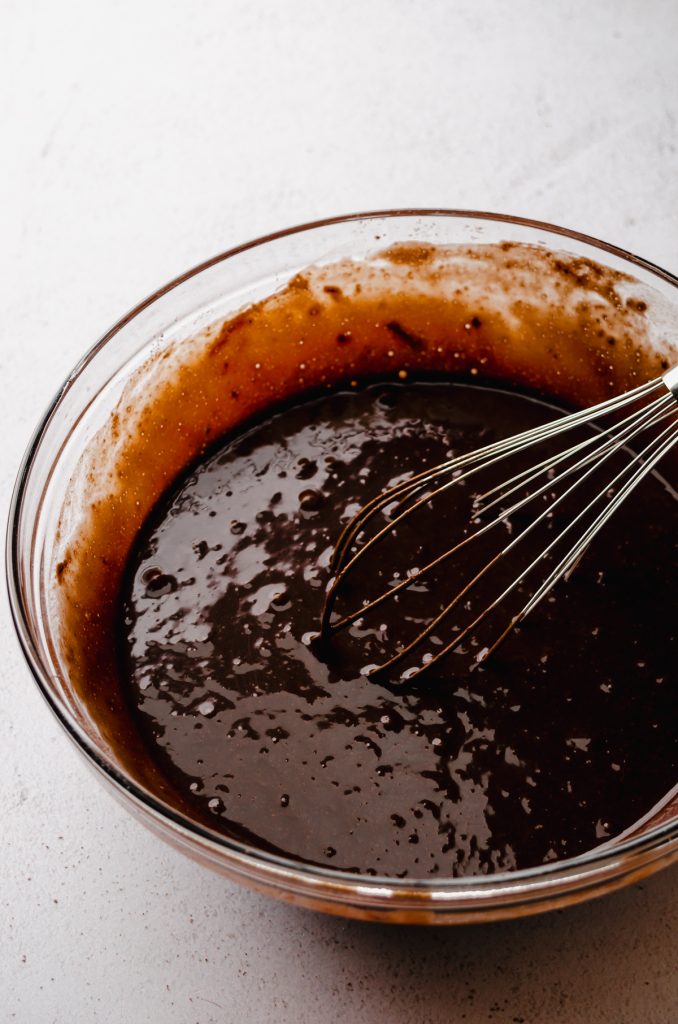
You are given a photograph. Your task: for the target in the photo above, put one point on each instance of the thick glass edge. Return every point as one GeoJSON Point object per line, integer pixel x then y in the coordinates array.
{"type": "Point", "coordinates": [528, 882]}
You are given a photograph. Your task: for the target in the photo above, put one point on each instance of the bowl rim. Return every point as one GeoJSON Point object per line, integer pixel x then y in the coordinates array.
{"type": "Point", "coordinates": [478, 888]}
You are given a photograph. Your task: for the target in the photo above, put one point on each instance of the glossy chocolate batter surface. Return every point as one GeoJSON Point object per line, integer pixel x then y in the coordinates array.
{"type": "Point", "coordinates": [560, 743]}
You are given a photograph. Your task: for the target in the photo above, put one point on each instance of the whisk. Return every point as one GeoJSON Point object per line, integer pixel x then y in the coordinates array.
{"type": "Point", "coordinates": [641, 425]}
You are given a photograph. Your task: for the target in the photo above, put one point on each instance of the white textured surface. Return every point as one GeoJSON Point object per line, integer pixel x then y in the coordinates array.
{"type": "Point", "coordinates": [141, 137]}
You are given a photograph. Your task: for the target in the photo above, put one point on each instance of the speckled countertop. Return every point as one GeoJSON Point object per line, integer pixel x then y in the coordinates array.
{"type": "Point", "coordinates": [140, 138]}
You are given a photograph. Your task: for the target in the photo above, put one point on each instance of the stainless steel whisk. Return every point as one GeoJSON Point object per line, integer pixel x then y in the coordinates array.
{"type": "Point", "coordinates": [650, 407]}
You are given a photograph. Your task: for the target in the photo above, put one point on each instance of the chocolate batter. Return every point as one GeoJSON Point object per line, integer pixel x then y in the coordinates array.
{"type": "Point", "coordinates": [560, 743]}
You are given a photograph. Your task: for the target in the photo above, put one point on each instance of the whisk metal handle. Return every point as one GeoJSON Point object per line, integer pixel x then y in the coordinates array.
{"type": "Point", "coordinates": [671, 381]}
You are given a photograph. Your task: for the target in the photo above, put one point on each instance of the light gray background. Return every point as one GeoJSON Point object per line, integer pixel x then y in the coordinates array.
{"type": "Point", "coordinates": [139, 138]}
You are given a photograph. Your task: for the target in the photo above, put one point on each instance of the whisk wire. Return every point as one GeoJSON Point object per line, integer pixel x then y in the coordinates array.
{"type": "Point", "coordinates": [512, 445]}
{"type": "Point", "coordinates": [575, 552]}
{"type": "Point", "coordinates": [412, 577]}
{"type": "Point", "coordinates": [584, 457]}
{"type": "Point", "coordinates": [628, 426]}
{"type": "Point", "coordinates": [648, 463]}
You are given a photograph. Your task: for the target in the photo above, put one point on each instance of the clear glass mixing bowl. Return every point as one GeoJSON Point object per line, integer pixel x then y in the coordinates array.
{"type": "Point", "coordinates": [180, 310]}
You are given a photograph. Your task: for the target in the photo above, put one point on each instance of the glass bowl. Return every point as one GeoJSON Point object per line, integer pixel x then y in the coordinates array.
{"type": "Point", "coordinates": [174, 316]}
